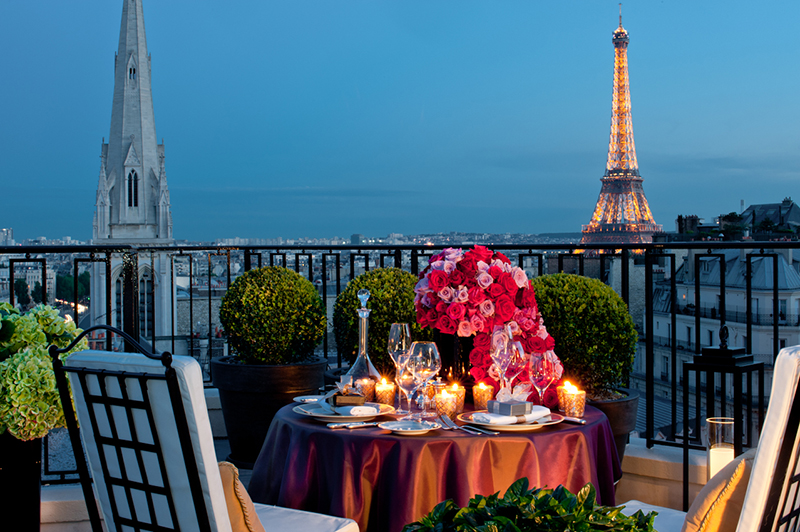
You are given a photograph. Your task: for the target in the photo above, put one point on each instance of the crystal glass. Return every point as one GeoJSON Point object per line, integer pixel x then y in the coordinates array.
{"type": "Point", "coordinates": [500, 354]}
{"type": "Point", "coordinates": [517, 359]}
{"type": "Point", "coordinates": [542, 372]}
{"type": "Point", "coordinates": [424, 362]}
{"type": "Point", "coordinates": [398, 346]}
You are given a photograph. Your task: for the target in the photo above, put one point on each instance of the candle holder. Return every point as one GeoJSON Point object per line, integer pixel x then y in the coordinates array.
{"type": "Point", "coordinates": [446, 404]}
{"type": "Point", "coordinates": [367, 388]}
{"type": "Point", "coordinates": [720, 443]}
{"type": "Point", "coordinates": [571, 400]}
{"type": "Point", "coordinates": [481, 394]}
{"type": "Point", "coordinates": [385, 392]}
{"type": "Point", "coordinates": [460, 392]}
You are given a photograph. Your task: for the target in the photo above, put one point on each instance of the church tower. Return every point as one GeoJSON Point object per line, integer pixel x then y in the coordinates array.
{"type": "Point", "coordinates": [132, 194]}
{"type": "Point", "coordinates": [622, 213]}
{"type": "Point", "coordinates": [132, 202]}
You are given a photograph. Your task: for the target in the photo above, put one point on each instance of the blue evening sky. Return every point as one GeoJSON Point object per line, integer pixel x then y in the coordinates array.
{"type": "Point", "coordinates": [319, 118]}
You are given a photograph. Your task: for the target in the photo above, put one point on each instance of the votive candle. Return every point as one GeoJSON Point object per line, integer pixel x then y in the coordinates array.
{"type": "Point", "coordinates": [481, 394]}
{"type": "Point", "coordinates": [367, 388]}
{"type": "Point", "coordinates": [574, 400]}
{"type": "Point", "coordinates": [446, 404]}
{"type": "Point", "coordinates": [460, 392]}
{"type": "Point", "coordinates": [384, 392]}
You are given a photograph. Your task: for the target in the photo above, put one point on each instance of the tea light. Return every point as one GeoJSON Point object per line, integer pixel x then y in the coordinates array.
{"type": "Point", "coordinates": [446, 404]}
{"type": "Point", "coordinates": [574, 400]}
{"type": "Point", "coordinates": [481, 394]}
{"type": "Point", "coordinates": [367, 388]}
{"type": "Point", "coordinates": [460, 392]}
{"type": "Point", "coordinates": [384, 392]}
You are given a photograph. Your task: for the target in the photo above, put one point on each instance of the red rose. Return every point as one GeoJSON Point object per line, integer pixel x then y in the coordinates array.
{"type": "Point", "coordinates": [457, 278]}
{"type": "Point", "coordinates": [477, 354]}
{"type": "Point", "coordinates": [550, 343]}
{"type": "Point", "coordinates": [508, 282]}
{"type": "Point", "coordinates": [537, 345]}
{"type": "Point", "coordinates": [446, 324]}
{"type": "Point", "coordinates": [476, 295]}
{"type": "Point", "coordinates": [528, 298]}
{"type": "Point", "coordinates": [496, 290]}
{"type": "Point", "coordinates": [437, 280]}
{"type": "Point", "coordinates": [477, 373]}
{"type": "Point", "coordinates": [550, 399]}
{"type": "Point", "coordinates": [481, 253]}
{"type": "Point", "coordinates": [502, 257]}
{"type": "Point", "coordinates": [456, 311]}
{"type": "Point", "coordinates": [482, 340]}
{"type": "Point", "coordinates": [468, 265]}
{"type": "Point", "coordinates": [495, 272]}
{"type": "Point", "coordinates": [504, 308]}
{"type": "Point", "coordinates": [441, 307]}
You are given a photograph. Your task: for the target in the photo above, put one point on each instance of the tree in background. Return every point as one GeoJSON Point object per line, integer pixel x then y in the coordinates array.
{"type": "Point", "coordinates": [36, 293]}
{"type": "Point", "coordinates": [64, 286]}
{"type": "Point", "coordinates": [21, 291]}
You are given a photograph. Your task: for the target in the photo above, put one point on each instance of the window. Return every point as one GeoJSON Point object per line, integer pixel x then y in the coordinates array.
{"type": "Point", "coordinates": [146, 317]}
{"type": "Point", "coordinates": [118, 317]}
{"type": "Point", "coordinates": [133, 189]}
{"type": "Point", "coordinates": [132, 73]}
{"type": "Point", "coordinates": [710, 338]}
{"type": "Point", "coordinates": [781, 342]}
{"type": "Point", "coordinates": [665, 368]}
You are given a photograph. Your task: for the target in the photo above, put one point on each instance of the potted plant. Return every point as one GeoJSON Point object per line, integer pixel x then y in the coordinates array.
{"type": "Point", "coordinates": [596, 340]}
{"type": "Point", "coordinates": [391, 301]}
{"type": "Point", "coordinates": [274, 318]}
{"type": "Point", "coordinates": [30, 406]}
{"type": "Point", "coordinates": [533, 510]}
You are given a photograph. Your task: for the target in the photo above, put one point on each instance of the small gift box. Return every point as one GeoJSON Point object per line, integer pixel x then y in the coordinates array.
{"type": "Point", "coordinates": [347, 400]}
{"type": "Point", "coordinates": [509, 408]}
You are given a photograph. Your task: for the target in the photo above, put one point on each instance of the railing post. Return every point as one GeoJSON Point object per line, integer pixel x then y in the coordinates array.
{"type": "Point", "coordinates": [130, 297]}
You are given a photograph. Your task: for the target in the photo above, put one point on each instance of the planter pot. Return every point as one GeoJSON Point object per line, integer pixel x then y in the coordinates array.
{"type": "Point", "coordinates": [332, 376]}
{"type": "Point", "coordinates": [621, 413]}
{"type": "Point", "coordinates": [20, 474]}
{"type": "Point", "coordinates": [251, 394]}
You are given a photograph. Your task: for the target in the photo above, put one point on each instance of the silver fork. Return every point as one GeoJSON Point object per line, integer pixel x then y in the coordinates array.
{"type": "Point", "coordinates": [449, 424]}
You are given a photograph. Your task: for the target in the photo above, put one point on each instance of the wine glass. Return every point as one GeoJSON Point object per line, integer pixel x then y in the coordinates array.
{"type": "Point", "coordinates": [425, 362]}
{"type": "Point", "coordinates": [517, 362]}
{"type": "Point", "coordinates": [398, 346]}
{"type": "Point", "coordinates": [542, 372]}
{"type": "Point", "coordinates": [500, 354]}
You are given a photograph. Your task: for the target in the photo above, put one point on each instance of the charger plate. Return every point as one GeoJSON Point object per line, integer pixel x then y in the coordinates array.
{"type": "Point", "coordinates": [316, 411]}
{"type": "Point", "coordinates": [408, 427]}
{"type": "Point", "coordinates": [551, 419]}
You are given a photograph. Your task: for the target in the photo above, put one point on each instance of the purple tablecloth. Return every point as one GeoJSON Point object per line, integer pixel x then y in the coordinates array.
{"type": "Point", "coordinates": [384, 481]}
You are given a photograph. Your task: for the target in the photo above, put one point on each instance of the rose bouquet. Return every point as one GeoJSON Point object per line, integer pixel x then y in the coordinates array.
{"type": "Point", "coordinates": [471, 293]}
{"type": "Point", "coordinates": [29, 402]}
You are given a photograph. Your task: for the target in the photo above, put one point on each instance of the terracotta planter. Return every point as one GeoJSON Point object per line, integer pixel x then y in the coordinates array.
{"type": "Point", "coordinates": [621, 413]}
{"type": "Point", "coordinates": [20, 474]}
{"type": "Point", "coordinates": [251, 394]}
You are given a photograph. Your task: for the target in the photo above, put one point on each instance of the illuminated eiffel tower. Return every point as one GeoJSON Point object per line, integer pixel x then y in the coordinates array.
{"type": "Point", "coordinates": [622, 214]}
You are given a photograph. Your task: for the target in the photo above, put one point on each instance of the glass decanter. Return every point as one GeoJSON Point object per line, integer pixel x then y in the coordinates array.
{"type": "Point", "coordinates": [362, 367]}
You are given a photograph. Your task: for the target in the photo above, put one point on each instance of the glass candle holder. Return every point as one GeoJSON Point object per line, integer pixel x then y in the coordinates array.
{"type": "Point", "coordinates": [385, 392]}
{"type": "Point", "coordinates": [446, 404]}
{"type": "Point", "coordinates": [460, 392]}
{"type": "Point", "coordinates": [720, 443]}
{"type": "Point", "coordinates": [571, 400]}
{"type": "Point", "coordinates": [367, 388]}
{"type": "Point", "coordinates": [481, 394]}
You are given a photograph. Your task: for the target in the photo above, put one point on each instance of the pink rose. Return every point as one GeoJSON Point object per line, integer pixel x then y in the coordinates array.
{"type": "Point", "coordinates": [486, 308]}
{"type": "Point", "coordinates": [437, 280]}
{"type": "Point", "coordinates": [513, 326]}
{"type": "Point", "coordinates": [461, 295]}
{"type": "Point", "coordinates": [477, 322]}
{"type": "Point", "coordinates": [446, 294]}
{"type": "Point", "coordinates": [452, 254]}
{"type": "Point", "coordinates": [520, 277]}
{"type": "Point", "coordinates": [449, 266]}
{"type": "Point", "coordinates": [484, 280]}
{"type": "Point", "coordinates": [456, 311]}
{"type": "Point", "coordinates": [505, 308]}
{"type": "Point", "coordinates": [422, 286]}
{"type": "Point", "coordinates": [446, 324]}
{"type": "Point", "coordinates": [464, 328]}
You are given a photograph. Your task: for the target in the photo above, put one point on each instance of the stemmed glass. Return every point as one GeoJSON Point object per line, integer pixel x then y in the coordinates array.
{"type": "Point", "coordinates": [542, 372]}
{"type": "Point", "coordinates": [398, 346]}
{"type": "Point", "coordinates": [424, 362]}
{"type": "Point", "coordinates": [517, 361]}
{"type": "Point", "coordinates": [500, 354]}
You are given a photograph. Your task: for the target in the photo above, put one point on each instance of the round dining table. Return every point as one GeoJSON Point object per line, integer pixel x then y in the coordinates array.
{"type": "Point", "coordinates": [384, 481]}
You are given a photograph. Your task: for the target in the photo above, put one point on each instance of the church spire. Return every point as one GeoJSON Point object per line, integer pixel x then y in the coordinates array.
{"type": "Point", "coordinates": [133, 158]}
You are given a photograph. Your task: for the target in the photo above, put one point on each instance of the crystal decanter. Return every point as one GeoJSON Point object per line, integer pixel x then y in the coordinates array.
{"type": "Point", "coordinates": [362, 368]}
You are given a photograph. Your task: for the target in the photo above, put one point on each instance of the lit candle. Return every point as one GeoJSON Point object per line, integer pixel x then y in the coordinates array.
{"type": "Point", "coordinates": [460, 392]}
{"type": "Point", "coordinates": [384, 392]}
{"type": "Point", "coordinates": [720, 443]}
{"type": "Point", "coordinates": [446, 404]}
{"type": "Point", "coordinates": [574, 400]}
{"type": "Point", "coordinates": [481, 394]}
{"type": "Point", "coordinates": [718, 457]}
{"type": "Point", "coordinates": [367, 388]}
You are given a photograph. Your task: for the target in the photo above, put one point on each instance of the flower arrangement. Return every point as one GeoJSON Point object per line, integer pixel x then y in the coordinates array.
{"type": "Point", "coordinates": [29, 402]}
{"type": "Point", "coordinates": [471, 293]}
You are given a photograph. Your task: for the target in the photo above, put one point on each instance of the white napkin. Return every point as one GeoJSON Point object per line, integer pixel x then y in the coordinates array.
{"type": "Point", "coordinates": [356, 410]}
{"type": "Point", "coordinates": [537, 412]}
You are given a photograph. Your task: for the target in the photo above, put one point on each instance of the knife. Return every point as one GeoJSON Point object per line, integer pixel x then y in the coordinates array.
{"type": "Point", "coordinates": [351, 425]}
{"type": "Point", "coordinates": [576, 420]}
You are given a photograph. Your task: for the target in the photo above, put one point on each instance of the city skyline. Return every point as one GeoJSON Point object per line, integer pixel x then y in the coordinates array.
{"type": "Point", "coordinates": [284, 119]}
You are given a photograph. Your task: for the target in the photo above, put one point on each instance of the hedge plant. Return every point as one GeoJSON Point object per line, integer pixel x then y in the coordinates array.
{"type": "Point", "coordinates": [391, 301]}
{"type": "Point", "coordinates": [533, 510]}
{"type": "Point", "coordinates": [272, 315]}
{"type": "Point", "coordinates": [592, 328]}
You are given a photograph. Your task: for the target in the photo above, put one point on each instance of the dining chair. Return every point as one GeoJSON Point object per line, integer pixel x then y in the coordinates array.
{"type": "Point", "coordinates": [147, 436]}
{"type": "Point", "coordinates": [770, 499]}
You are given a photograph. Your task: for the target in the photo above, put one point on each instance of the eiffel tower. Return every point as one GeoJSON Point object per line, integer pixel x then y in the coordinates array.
{"type": "Point", "coordinates": [622, 214]}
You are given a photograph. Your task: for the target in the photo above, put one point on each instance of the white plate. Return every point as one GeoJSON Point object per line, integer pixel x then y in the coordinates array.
{"type": "Point", "coordinates": [545, 421]}
{"type": "Point", "coordinates": [308, 398]}
{"type": "Point", "coordinates": [408, 427]}
{"type": "Point", "coordinates": [316, 411]}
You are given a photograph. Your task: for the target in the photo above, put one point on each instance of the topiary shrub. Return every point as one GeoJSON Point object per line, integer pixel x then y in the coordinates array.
{"type": "Point", "coordinates": [391, 301]}
{"type": "Point", "coordinates": [592, 328]}
{"type": "Point", "coordinates": [272, 315]}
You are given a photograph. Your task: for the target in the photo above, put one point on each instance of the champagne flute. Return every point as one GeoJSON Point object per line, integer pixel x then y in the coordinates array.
{"type": "Point", "coordinates": [398, 346]}
{"type": "Point", "coordinates": [543, 373]}
{"type": "Point", "coordinates": [499, 354]}
{"type": "Point", "coordinates": [517, 362]}
{"type": "Point", "coordinates": [425, 362]}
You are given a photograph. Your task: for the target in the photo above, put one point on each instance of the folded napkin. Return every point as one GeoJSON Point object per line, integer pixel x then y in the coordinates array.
{"type": "Point", "coordinates": [537, 412]}
{"type": "Point", "coordinates": [356, 410]}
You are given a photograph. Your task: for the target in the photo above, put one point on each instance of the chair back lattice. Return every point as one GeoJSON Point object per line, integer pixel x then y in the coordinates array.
{"type": "Point", "coordinates": [136, 436]}
{"type": "Point", "coordinates": [782, 511]}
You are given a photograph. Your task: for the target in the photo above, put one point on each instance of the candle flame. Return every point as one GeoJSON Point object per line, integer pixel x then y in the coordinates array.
{"type": "Point", "coordinates": [482, 386]}
{"type": "Point", "coordinates": [455, 386]}
{"type": "Point", "coordinates": [383, 381]}
{"type": "Point", "coordinates": [444, 393]}
{"type": "Point", "coordinates": [570, 388]}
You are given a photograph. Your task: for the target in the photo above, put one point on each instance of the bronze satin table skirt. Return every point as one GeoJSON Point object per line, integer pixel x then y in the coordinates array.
{"type": "Point", "coordinates": [384, 481]}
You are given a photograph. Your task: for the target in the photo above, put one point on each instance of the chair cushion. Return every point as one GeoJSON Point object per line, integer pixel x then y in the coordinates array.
{"type": "Point", "coordinates": [241, 510]}
{"type": "Point", "coordinates": [718, 505]}
{"type": "Point", "coordinates": [288, 519]}
{"type": "Point", "coordinates": [667, 520]}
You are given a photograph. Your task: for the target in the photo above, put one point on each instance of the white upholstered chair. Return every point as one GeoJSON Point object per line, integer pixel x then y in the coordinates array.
{"type": "Point", "coordinates": [150, 449]}
{"type": "Point", "coordinates": [772, 499]}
